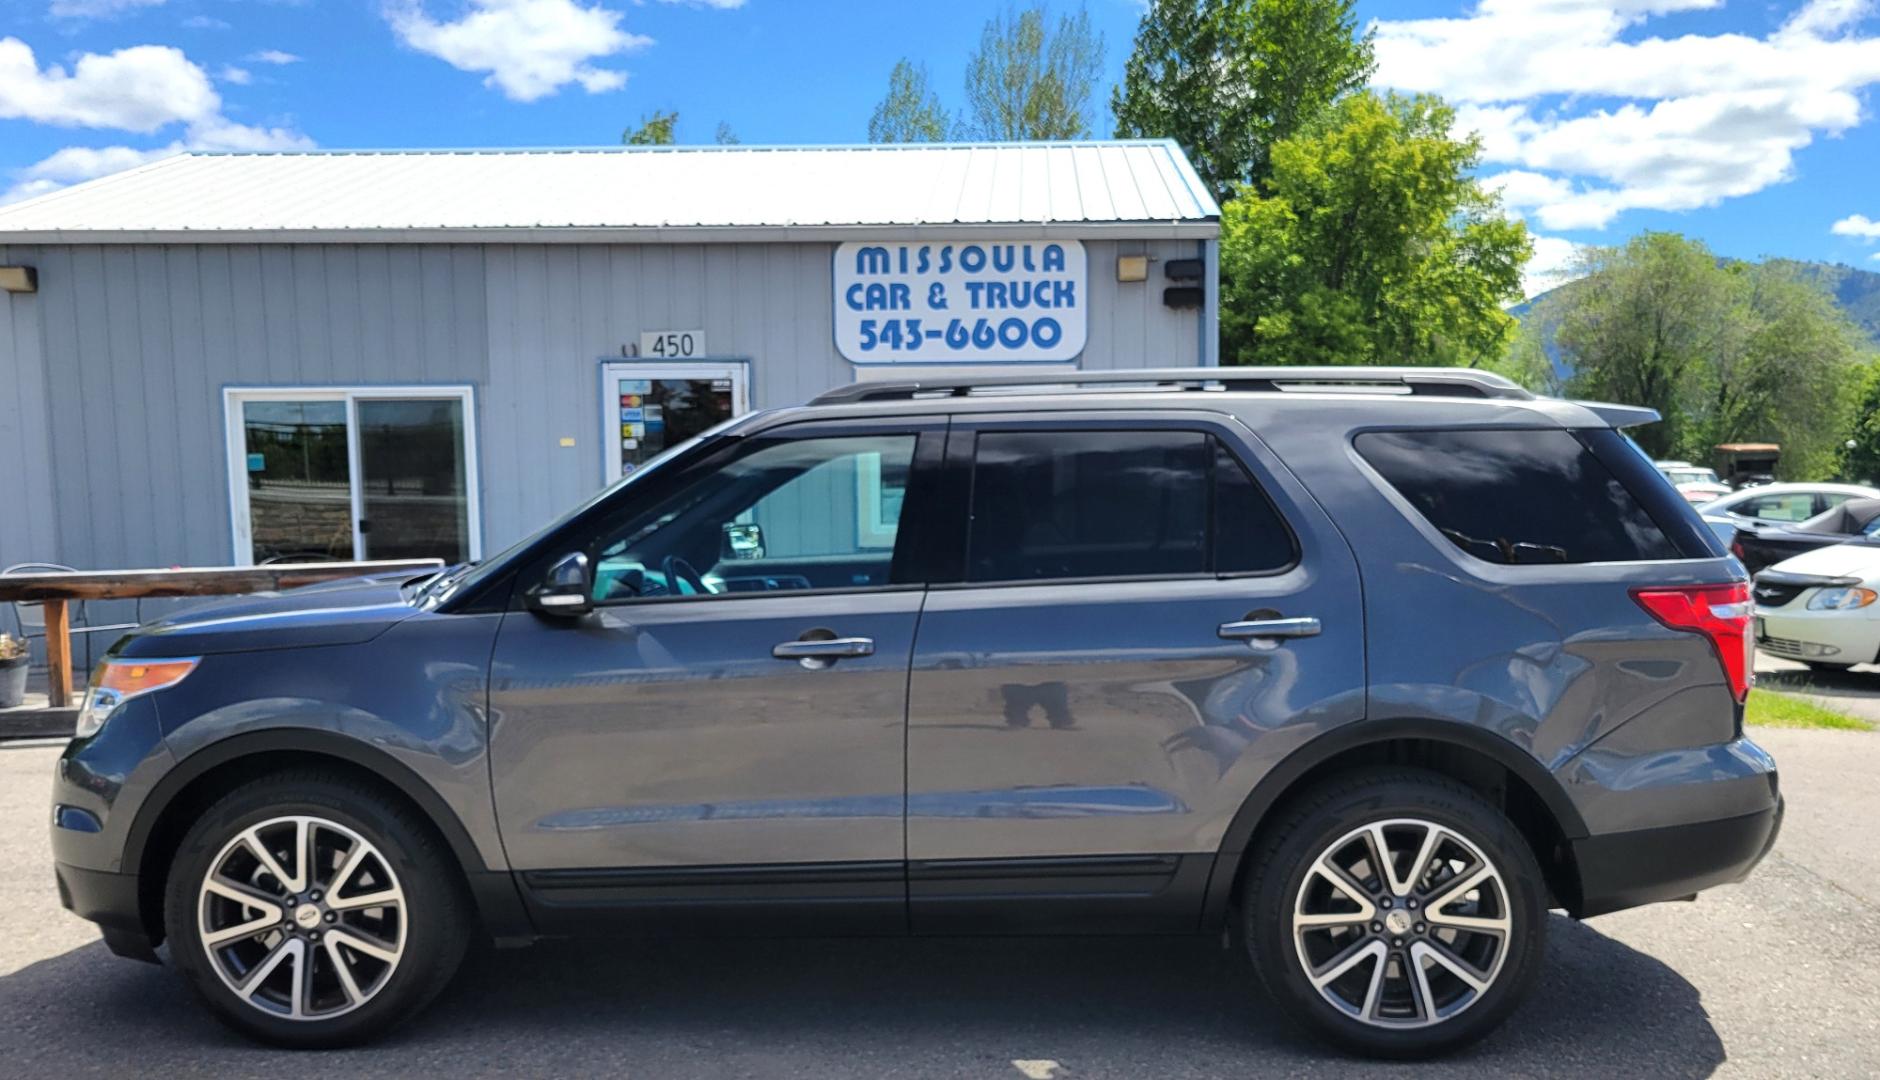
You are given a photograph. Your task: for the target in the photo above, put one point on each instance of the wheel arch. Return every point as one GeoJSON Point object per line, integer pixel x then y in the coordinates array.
{"type": "Point", "coordinates": [1502, 771]}
{"type": "Point", "coordinates": [218, 768]}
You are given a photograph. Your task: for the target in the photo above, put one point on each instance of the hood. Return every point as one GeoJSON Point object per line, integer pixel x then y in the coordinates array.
{"type": "Point", "coordinates": [345, 612]}
{"type": "Point", "coordinates": [1836, 560]}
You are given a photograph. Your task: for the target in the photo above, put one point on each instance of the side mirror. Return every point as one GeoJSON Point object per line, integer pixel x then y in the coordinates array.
{"type": "Point", "coordinates": [742, 541]}
{"type": "Point", "coordinates": [566, 590]}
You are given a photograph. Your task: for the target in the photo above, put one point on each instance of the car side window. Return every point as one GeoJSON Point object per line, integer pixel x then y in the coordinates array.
{"type": "Point", "coordinates": [782, 514]}
{"type": "Point", "coordinates": [1791, 507]}
{"type": "Point", "coordinates": [1055, 505]}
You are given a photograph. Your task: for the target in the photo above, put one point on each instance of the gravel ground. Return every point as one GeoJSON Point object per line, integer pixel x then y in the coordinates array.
{"type": "Point", "coordinates": [1774, 977]}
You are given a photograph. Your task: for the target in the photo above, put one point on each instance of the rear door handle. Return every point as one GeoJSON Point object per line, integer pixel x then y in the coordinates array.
{"type": "Point", "coordinates": [825, 649]}
{"type": "Point", "coordinates": [1253, 629]}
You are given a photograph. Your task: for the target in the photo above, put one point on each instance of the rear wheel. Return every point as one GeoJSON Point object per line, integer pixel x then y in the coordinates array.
{"type": "Point", "coordinates": [309, 910]}
{"type": "Point", "coordinates": [1395, 912]}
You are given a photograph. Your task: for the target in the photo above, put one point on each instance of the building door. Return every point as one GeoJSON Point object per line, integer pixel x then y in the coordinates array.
{"type": "Point", "coordinates": [338, 474]}
{"type": "Point", "coordinates": [646, 408]}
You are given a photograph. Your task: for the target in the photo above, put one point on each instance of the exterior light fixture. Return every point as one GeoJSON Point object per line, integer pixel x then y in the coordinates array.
{"type": "Point", "coordinates": [22, 279]}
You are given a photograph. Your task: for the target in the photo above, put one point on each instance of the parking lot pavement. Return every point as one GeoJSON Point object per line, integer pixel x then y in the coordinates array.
{"type": "Point", "coordinates": [1774, 977]}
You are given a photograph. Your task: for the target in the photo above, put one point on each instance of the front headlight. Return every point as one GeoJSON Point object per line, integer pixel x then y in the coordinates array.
{"type": "Point", "coordinates": [1842, 599]}
{"type": "Point", "coordinates": [118, 681]}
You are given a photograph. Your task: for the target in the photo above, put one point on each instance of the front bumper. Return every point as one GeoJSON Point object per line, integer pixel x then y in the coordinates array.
{"type": "Point", "coordinates": [1832, 637]}
{"type": "Point", "coordinates": [1644, 866]}
{"type": "Point", "coordinates": [110, 900]}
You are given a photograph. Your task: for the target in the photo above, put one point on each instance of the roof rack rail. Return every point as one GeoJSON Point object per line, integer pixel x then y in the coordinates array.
{"type": "Point", "coordinates": [1440, 382]}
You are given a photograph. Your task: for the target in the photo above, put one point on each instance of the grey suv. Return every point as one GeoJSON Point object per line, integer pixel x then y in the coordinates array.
{"type": "Point", "coordinates": [1369, 667]}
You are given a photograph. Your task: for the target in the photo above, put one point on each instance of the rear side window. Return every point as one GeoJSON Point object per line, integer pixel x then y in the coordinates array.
{"type": "Point", "coordinates": [1114, 504]}
{"type": "Point", "coordinates": [1528, 496]}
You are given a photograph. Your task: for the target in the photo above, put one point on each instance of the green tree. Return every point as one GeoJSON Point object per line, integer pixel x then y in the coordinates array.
{"type": "Point", "coordinates": [724, 136]}
{"type": "Point", "coordinates": [1640, 323]}
{"type": "Point", "coordinates": [1027, 81]}
{"type": "Point", "coordinates": [1860, 462]}
{"type": "Point", "coordinates": [911, 112]}
{"type": "Point", "coordinates": [1725, 351]}
{"type": "Point", "coordinates": [1371, 242]}
{"type": "Point", "coordinates": [654, 130]}
{"type": "Point", "coordinates": [1230, 79]}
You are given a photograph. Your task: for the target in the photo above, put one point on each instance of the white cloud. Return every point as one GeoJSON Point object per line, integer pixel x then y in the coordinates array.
{"type": "Point", "coordinates": [1556, 261]}
{"type": "Point", "coordinates": [204, 22]}
{"type": "Point", "coordinates": [78, 163]}
{"type": "Point", "coordinates": [272, 56]}
{"type": "Point", "coordinates": [95, 9]}
{"type": "Point", "coordinates": [232, 74]}
{"type": "Point", "coordinates": [1700, 118]}
{"type": "Point", "coordinates": [1859, 226]}
{"type": "Point", "coordinates": [529, 48]}
{"type": "Point", "coordinates": [141, 88]}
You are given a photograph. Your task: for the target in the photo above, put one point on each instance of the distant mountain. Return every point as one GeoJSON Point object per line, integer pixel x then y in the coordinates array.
{"type": "Point", "coordinates": [1856, 291]}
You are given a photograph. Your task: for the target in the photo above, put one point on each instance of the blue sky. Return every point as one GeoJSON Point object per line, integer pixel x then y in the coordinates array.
{"type": "Point", "coordinates": [1748, 123]}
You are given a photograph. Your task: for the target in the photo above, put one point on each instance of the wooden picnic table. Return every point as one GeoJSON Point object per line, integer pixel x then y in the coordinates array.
{"type": "Point", "coordinates": [56, 590]}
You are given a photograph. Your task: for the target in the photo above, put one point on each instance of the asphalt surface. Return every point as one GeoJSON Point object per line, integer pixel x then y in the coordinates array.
{"type": "Point", "coordinates": [1778, 976]}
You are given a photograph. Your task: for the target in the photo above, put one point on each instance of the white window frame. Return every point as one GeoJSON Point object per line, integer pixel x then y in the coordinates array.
{"type": "Point", "coordinates": [234, 397]}
{"type": "Point", "coordinates": [736, 370]}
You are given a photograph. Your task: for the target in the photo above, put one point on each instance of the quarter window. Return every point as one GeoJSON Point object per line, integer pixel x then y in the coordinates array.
{"type": "Point", "coordinates": [1517, 496]}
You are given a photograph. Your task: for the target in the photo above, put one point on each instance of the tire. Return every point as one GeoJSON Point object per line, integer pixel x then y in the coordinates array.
{"type": "Point", "coordinates": [408, 947]}
{"type": "Point", "coordinates": [1395, 1020]}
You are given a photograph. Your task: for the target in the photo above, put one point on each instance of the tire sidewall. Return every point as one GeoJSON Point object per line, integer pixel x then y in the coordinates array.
{"type": "Point", "coordinates": [434, 939]}
{"type": "Point", "coordinates": [1268, 917]}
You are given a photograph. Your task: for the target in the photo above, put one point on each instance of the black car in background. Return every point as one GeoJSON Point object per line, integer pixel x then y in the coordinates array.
{"type": "Point", "coordinates": [1761, 546]}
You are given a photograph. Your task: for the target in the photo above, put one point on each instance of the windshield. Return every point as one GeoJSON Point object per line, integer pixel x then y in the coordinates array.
{"type": "Point", "coordinates": [442, 587]}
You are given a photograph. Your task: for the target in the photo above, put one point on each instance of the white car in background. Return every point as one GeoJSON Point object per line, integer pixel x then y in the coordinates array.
{"type": "Point", "coordinates": [1777, 504]}
{"type": "Point", "coordinates": [1696, 483]}
{"type": "Point", "coordinates": [1820, 607]}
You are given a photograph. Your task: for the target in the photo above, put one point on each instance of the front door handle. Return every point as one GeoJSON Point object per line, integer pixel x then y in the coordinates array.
{"type": "Point", "coordinates": [821, 652]}
{"type": "Point", "coordinates": [1253, 629]}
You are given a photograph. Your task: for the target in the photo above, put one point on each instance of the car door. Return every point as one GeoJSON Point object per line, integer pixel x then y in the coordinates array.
{"type": "Point", "coordinates": [1146, 614]}
{"type": "Point", "coordinates": [716, 733]}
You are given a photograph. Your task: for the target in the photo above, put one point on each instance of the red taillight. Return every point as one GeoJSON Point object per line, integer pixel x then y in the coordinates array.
{"type": "Point", "coordinates": [1719, 612]}
{"type": "Point", "coordinates": [1736, 549]}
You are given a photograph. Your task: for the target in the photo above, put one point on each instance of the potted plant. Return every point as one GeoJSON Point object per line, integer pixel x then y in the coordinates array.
{"type": "Point", "coordinates": [13, 661]}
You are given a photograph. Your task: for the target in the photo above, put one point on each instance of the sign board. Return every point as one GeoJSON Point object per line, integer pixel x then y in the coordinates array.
{"type": "Point", "coordinates": [987, 301]}
{"type": "Point", "coordinates": [672, 344]}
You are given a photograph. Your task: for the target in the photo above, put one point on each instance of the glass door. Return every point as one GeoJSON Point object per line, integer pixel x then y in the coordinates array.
{"type": "Point", "coordinates": [332, 475]}
{"type": "Point", "coordinates": [297, 469]}
{"type": "Point", "coordinates": [646, 408]}
{"type": "Point", "coordinates": [413, 495]}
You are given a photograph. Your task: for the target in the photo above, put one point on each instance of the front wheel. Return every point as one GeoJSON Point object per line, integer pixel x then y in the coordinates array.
{"type": "Point", "coordinates": [312, 911]}
{"type": "Point", "coordinates": [1395, 912]}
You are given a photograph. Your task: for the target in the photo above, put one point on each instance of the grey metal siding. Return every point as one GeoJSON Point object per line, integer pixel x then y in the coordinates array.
{"type": "Point", "coordinates": [140, 341]}
{"type": "Point", "coordinates": [28, 530]}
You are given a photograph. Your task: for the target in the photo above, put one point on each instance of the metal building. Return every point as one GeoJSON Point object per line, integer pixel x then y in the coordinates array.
{"type": "Point", "coordinates": [222, 359]}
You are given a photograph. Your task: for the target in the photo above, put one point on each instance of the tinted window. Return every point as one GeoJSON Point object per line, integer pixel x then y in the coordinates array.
{"type": "Point", "coordinates": [1070, 504]}
{"type": "Point", "coordinates": [1531, 496]}
{"type": "Point", "coordinates": [1249, 536]}
{"type": "Point", "coordinates": [1106, 504]}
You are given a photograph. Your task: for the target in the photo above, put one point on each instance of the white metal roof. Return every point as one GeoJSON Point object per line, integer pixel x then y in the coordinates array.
{"type": "Point", "coordinates": [1132, 188]}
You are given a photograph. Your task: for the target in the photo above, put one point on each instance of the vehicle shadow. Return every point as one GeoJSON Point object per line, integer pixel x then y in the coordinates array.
{"type": "Point", "coordinates": [922, 1008]}
{"type": "Point", "coordinates": [1859, 684]}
